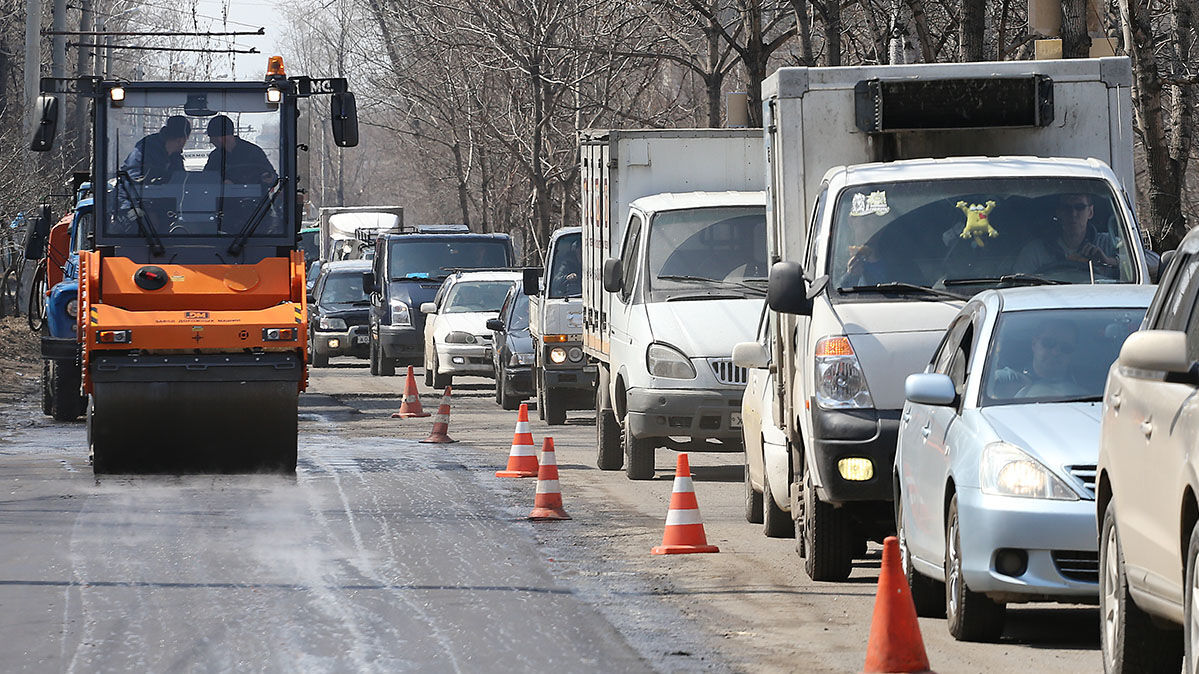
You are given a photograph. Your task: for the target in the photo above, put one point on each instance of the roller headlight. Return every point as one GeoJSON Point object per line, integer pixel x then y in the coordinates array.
{"type": "Point", "coordinates": [1006, 470]}
{"type": "Point", "coordinates": [669, 362]}
{"type": "Point", "coordinates": [72, 308]}
{"type": "Point", "coordinates": [459, 337]}
{"type": "Point", "coordinates": [558, 355]}
{"type": "Point", "coordinates": [400, 315]}
{"type": "Point", "coordinates": [332, 323]}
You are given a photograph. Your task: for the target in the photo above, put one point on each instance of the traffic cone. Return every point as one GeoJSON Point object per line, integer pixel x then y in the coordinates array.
{"type": "Point", "coordinates": [547, 504]}
{"type": "Point", "coordinates": [895, 644]}
{"type": "Point", "coordinates": [410, 408]}
{"type": "Point", "coordinates": [684, 527]}
{"type": "Point", "coordinates": [522, 459]}
{"type": "Point", "coordinates": [441, 421]}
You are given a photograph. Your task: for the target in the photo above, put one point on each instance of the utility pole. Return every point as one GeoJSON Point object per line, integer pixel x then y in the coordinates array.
{"type": "Point", "coordinates": [79, 120]}
{"type": "Point", "coordinates": [58, 60]}
{"type": "Point", "coordinates": [33, 61]}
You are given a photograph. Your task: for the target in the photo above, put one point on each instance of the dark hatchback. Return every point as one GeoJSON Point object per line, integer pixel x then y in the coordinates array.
{"type": "Point", "coordinates": [513, 354]}
{"type": "Point", "coordinates": [339, 313]}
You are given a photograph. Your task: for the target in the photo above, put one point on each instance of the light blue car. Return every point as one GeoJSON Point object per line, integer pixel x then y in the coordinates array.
{"type": "Point", "coordinates": [998, 440]}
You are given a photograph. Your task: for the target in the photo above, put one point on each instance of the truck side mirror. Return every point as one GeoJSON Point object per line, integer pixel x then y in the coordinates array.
{"type": "Point", "coordinates": [368, 283]}
{"type": "Point", "coordinates": [344, 111]}
{"type": "Point", "coordinates": [47, 126]}
{"type": "Point", "coordinates": [613, 276]}
{"type": "Point", "coordinates": [531, 281]}
{"type": "Point", "coordinates": [750, 355]}
{"type": "Point", "coordinates": [495, 325]}
{"type": "Point", "coordinates": [39, 232]}
{"type": "Point", "coordinates": [787, 291]}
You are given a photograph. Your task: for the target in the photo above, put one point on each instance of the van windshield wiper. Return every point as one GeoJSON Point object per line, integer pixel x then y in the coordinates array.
{"type": "Point", "coordinates": [719, 282]}
{"type": "Point", "coordinates": [1006, 280]}
{"type": "Point", "coordinates": [903, 288]}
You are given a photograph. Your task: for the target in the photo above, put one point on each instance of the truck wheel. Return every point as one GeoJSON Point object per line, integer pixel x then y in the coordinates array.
{"type": "Point", "coordinates": [555, 409]}
{"type": "Point", "coordinates": [609, 455]}
{"type": "Point", "coordinates": [541, 399]}
{"type": "Point", "coordinates": [374, 358]}
{"type": "Point", "coordinates": [639, 455]}
{"type": "Point", "coordinates": [47, 393]}
{"type": "Point", "coordinates": [970, 616]}
{"type": "Point", "coordinates": [753, 499]}
{"type": "Point", "coordinates": [827, 538]}
{"type": "Point", "coordinates": [64, 386]}
{"type": "Point", "coordinates": [777, 522]}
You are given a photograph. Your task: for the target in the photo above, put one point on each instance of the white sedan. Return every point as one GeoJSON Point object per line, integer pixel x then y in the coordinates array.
{"type": "Point", "coordinates": [457, 341]}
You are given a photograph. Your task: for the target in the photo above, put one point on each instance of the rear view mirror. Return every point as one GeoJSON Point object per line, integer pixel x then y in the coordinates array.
{"type": "Point", "coordinates": [531, 285]}
{"type": "Point", "coordinates": [930, 389]}
{"type": "Point", "coordinates": [787, 291]}
{"type": "Point", "coordinates": [1156, 351]}
{"type": "Point", "coordinates": [495, 325]}
{"type": "Point", "coordinates": [344, 112]}
{"type": "Point", "coordinates": [1155, 263]}
{"type": "Point", "coordinates": [613, 277]}
{"type": "Point", "coordinates": [428, 308]}
{"type": "Point", "coordinates": [368, 283]}
{"type": "Point", "coordinates": [47, 126]}
{"type": "Point", "coordinates": [38, 233]}
{"type": "Point", "coordinates": [751, 355]}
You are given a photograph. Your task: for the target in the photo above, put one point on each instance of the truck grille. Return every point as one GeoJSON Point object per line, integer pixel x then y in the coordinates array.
{"type": "Point", "coordinates": [1078, 565]}
{"type": "Point", "coordinates": [727, 373]}
{"type": "Point", "coordinates": [1084, 473]}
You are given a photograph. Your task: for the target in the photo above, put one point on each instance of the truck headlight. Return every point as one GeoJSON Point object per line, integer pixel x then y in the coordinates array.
{"type": "Point", "coordinates": [1006, 470]}
{"type": "Point", "coordinates": [332, 323]}
{"type": "Point", "coordinates": [72, 308]}
{"type": "Point", "coordinates": [400, 315]}
{"type": "Point", "coordinates": [459, 337]}
{"type": "Point", "coordinates": [575, 354]}
{"type": "Point", "coordinates": [840, 382]}
{"type": "Point", "coordinates": [669, 362]}
{"type": "Point", "coordinates": [558, 355]}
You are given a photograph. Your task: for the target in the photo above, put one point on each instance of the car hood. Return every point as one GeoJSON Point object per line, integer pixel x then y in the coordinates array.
{"type": "Point", "coordinates": [1056, 434]}
{"type": "Point", "coordinates": [706, 328]}
{"type": "Point", "coordinates": [473, 322]}
{"type": "Point", "coordinates": [519, 341]}
{"type": "Point", "coordinates": [414, 292]}
{"type": "Point", "coordinates": [893, 340]}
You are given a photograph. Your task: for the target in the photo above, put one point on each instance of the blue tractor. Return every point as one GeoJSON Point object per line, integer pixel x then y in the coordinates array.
{"type": "Point", "coordinates": [62, 395]}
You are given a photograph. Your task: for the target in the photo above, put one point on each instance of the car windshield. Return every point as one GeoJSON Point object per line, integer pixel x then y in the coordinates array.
{"type": "Point", "coordinates": [566, 267]}
{"type": "Point", "coordinates": [708, 250]}
{"type": "Point", "coordinates": [343, 288]}
{"type": "Point", "coordinates": [520, 313]}
{"type": "Point", "coordinates": [431, 259]}
{"type": "Point", "coordinates": [966, 235]}
{"type": "Point", "coordinates": [476, 296]}
{"type": "Point", "coordinates": [1055, 355]}
{"type": "Point", "coordinates": [193, 163]}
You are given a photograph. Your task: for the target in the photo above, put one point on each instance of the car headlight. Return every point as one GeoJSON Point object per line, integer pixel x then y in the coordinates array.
{"type": "Point", "coordinates": [1007, 470]}
{"type": "Point", "coordinates": [400, 315]}
{"type": "Point", "coordinates": [332, 323]}
{"type": "Point", "coordinates": [459, 337]}
{"type": "Point", "coordinates": [558, 355]}
{"type": "Point", "coordinates": [521, 359]}
{"type": "Point", "coordinates": [840, 382]}
{"type": "Point", "coordinates": [72, 308]}
{"type": "Point", "coordinates": [669, 362]}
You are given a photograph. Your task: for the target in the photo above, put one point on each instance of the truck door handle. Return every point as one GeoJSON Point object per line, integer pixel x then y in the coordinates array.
{"type": "Point", "coordinates": [1147, 428]}
{"type": "Point", "coordinates": [907, 416]}
{"type": "Point", "coordinates": [1115, 401]}
{"type": "Point", "coordinates": [926, 430]}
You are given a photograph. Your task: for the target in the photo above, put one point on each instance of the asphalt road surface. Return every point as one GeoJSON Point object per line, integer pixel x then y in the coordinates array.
{"type": "Point", "coordinates": [385, 554]}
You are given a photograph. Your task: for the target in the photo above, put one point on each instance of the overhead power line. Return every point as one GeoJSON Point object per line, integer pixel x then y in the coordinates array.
{"type": "Point", "coordinates": [93, 45]}
{"type": "Point", "coordinates": [115, 33]}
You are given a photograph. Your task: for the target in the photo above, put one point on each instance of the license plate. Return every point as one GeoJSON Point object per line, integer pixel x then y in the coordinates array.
{"type": "Point", "coordinates": [734, 420]}
{"type": "Point", "coordinates": [363, 339]}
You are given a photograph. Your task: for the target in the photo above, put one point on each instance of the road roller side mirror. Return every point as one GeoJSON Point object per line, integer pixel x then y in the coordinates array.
{"type": "Point", "coordinates": [344, 111]}
{"type": "Point", "coordinates": [39, 232]}
{"type": "Point", "coordinates": [47, 126]}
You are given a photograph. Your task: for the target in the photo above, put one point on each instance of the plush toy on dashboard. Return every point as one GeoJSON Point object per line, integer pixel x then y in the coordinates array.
{"type": "Point", "coordinates": [976, 221]}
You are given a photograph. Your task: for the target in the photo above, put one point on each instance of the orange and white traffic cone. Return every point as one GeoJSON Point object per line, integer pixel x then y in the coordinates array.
{"type": "Point", "coordinates": [441, 421]}
{"type": "Point", "coordinates": [410, 408]}
{"type": "Point", "coordinates": [522, 459]}
{"type": "Point", "coordinates": [895, 643]}
{"type": "Point", "coordinates": [684, 527]}
{"type": "Point", "coordinates": [547, 504]}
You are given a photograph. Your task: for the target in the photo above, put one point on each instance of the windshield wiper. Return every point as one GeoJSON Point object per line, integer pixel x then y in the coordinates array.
{"type": "Point", "coordinates": [1006, 280]}
{"type": "Point", "coordinates": [260, 210]}
{"type": "Point", "coordinates": [1080, 399]}
{"type": "Point", "coordinates": [704, 279]}
{"type": "Point", "coordinates": [904, 288]}
{"type": "Point", "coordinates": [139, 214]}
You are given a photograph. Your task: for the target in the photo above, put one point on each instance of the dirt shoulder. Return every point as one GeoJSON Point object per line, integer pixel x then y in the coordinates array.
{"type": "Point", "coordinates": [20, 360]}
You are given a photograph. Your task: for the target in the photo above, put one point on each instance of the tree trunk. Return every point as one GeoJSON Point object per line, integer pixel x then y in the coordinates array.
{"type": "Point", "coordinates": [803, 25]}
{"type": "Point", "coordinates": [713, 78]}
{"type": "Point", "coordinates": [1076, 42]}
{"type": "Point", "coordinates": [923, 35]}
{"type": "Point", "coordinates": [755, 59]}
{"type": "Point", "coordinates": [829, 12]}
{"type": "Point", "coordinates": [970, 30]}
{"type": "Point", "coordinates": [460, 181]}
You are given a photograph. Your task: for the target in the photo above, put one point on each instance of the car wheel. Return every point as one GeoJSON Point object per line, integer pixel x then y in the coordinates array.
{"type": "Point", "coordinates": [64, 385]}
{"type": "Point", "coordinates": [440, 381]}
{"type": "Point", "coordinates": [777, 522]}
{"type": "Point", "coordinates": [1129, 639]}
{"type": "Point", "coordinates": [639, 455]}
{"type": "Point", "coordinates": [499, 388]}
{"type": "Point", "coordinates": [970, 616]}
{"type": "Point", "coordinates": [555, 410]}
{"type": "Point", "coordinates": [928, 594]}
{"type": "Point", "coordinates": [428, 373]}
{"type": "Point", "coordinates": [319, 359]}
{"type": "Point", "coordinates": [374, 358]}
{"type": "Point", "coordinates": [827, 534]}
{"type": "Point", "coordinates": [1190, 602]}
{"type": "Point", "coordinates": [607, 435]}
{"type": "Point", "coordinates": [753, 497]}
{"type": "Point", "coordinates": [47, 391]}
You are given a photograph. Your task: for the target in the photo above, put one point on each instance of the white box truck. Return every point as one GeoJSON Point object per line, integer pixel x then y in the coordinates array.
{"type": "Point", "coordinates": [674, 271]}
{"type": "Point", "coordinates": [348, 232]}
{"type": "Point", "coordinates": [896, 193]}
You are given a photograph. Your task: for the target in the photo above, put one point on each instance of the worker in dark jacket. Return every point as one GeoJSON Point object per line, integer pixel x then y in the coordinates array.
{"type": "Point", "coordinates": [235, 159]}
{"type": "Point", "coordinates": [159, 154]}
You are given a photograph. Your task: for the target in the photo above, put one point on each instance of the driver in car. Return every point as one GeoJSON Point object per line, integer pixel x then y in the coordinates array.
{"type": "Point", "coordinates": [1077, 241]}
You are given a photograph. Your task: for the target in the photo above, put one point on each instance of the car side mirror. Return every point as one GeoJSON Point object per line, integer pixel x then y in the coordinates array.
{"type": "Point", "coordinates": [1156, 351]}
{"type": "Point", "coordinates": [1155, 264]}
{"type": "Point", "coordinates": [47, 126]}
{"type": "Point", "coordinates": [531, 281]}
{"type": "Point", "coordinates": [750, 355]}
{"type": "Point", "coordinates": [428, 308]}
{"type": "Point", "coordinates": [39, 232]}
{"type": "Point", "coordinates": [311, 298]}
{"type": "Point", "coordinates": [344, 112]}
{"type": "Point", "coordinates": [930, 389]}
{"type": "Point", "coordinates": [1166, 257]}
{"type": "Point", "coordinates": [368, 283]}
{"type": "Point", "coordinates": [495, 325]}
{"type": "Point", "coordinates": [787, 290]}
{"type": "Point", "coordinates": [613, 275]}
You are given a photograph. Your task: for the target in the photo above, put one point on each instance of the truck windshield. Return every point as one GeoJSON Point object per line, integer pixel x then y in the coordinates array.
{"type": "Point", "coordinates": [477, 296]}
{"type": "Point", "coordinates": [566, 267]}
{"type": "Point", "coordinates": [964, 235]}
{"type": "Point", "coordinates": [431, 259]}
{"type": "Point", "coordinates": [708, 250]}
{"type": "Point", "coordinates": [343, 288]}
{"type": "Point", "coordinates": [193, 163]}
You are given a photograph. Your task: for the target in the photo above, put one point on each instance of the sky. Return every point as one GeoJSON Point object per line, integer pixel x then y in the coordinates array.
{"type": "Point", "coordinates": [246, 15]}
